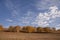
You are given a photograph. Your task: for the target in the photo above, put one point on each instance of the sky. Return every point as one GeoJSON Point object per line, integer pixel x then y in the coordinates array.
{"type": "Point", "coordinates": [35, 13]}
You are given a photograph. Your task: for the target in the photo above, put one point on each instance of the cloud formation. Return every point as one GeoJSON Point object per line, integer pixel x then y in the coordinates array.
{"type": "Point", "coordinates": [45, 4]}
{"type": "Point", "coordinates": [25, 14]}
{"type": "Point", "coordinates": [14, 10]}
{"type": "Point", "coordinates": [44, 19]}
{"type": "Point", "coordinates": [27, 18]}
{"type": "Point", "coordinates": [9, 20]}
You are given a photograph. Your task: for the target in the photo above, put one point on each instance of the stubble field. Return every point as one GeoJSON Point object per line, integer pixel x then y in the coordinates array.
{"type": "Point", "coordinates": [29, 36]}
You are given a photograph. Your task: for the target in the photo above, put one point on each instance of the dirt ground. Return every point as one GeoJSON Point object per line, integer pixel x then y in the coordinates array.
{"type": "Point", "coordinates": [29, 36]}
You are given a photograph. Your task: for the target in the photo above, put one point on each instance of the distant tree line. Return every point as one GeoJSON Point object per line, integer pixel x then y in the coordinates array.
{"type": "Point", "coordinates": [29, 29]}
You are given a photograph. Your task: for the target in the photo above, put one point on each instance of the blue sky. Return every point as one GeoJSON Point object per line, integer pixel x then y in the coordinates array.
{"type": "Point", "coordinates": [30, 12]}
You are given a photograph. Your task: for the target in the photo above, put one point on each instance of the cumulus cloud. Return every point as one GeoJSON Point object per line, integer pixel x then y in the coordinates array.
{"type": "Point", "coordinates": [44, 19]}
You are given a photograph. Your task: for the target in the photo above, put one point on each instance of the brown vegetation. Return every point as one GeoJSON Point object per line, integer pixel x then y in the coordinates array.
{"type": "Point", "coordinates": [40, 29]}
{"type": "Point", "coordinates": [31, 33]}
{"type": "Point", "coordinates": [58, 31]}
{"type": "Point", "coordinates": [11, 29]}
{"type": "Point", "coordinates": [54, 30]}
{"type": "Point", "coordinates": [47, 29]}
{"type": "Point", "coordinates": [17, 29]}
{"type": "Point", "coordinates": [1, 28]}
{"type": "Point", "coordinates": [29, 29]}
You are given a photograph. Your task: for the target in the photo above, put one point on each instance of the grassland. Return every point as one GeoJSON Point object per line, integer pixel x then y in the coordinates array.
{"type": "Point", "coordinates": [29, 36]}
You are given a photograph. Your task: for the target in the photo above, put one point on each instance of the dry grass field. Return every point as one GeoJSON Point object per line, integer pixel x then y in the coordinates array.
{"type": "Point", "coordinates": [29, 36]}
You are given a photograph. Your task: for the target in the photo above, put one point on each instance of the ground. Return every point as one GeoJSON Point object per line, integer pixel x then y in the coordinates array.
{"type": "Point", "coordinates": [29, 36]}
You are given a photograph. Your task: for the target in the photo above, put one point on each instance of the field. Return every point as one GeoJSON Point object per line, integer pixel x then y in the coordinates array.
{"type": "Point", "coordinates": [29, 36]}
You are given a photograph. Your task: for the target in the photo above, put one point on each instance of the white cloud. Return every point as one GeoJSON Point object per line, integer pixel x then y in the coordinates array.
{"type": "Point", "coordinates": [45, 4]}
{"type": "Point", "coordinates": [44, 19]}
{"type": "Point", "coordinates": [14, 13]}
{"type": "Point", "coordinates": [51, 21]}
{"type": "Point", "coordinates": [54, 13]}
{"type": "Point", "coordinates": [27, 18]}
{"type": "Point", "coordinates": [9, 20]}
{"type": "Point", "coordinates": [58, 25]}
{"type": "Point", "coordinates": [14, 9]}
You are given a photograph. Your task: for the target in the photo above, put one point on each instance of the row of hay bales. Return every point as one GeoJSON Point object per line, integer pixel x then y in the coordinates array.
{"type": "Point", "coordinates": [29, 29]}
